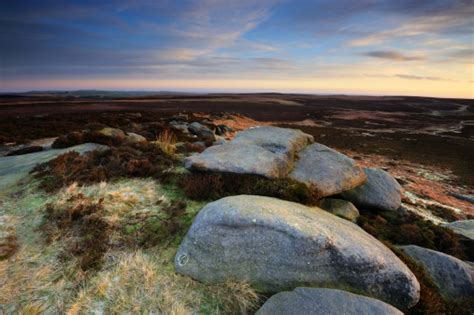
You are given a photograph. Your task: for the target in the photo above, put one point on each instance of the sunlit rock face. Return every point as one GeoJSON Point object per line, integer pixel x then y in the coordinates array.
{"type": "Point", "coordinates": [321, 301]}
{"type": "Point", "coordinates": [266, 151]}
{"type": "Point", "coordinates": [279, 245]}
{"type": "Point", "coordinates": [380, 191]}
{"type": "Point", "coordinates": [327, 171]}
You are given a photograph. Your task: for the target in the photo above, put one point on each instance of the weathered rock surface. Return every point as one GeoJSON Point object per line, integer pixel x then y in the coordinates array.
{"type": "Point", "coordinates": [279, 245]}
{"type": "Point", "coordinates": [321, 301]}
{"type": "Point", "coordinates": [380, 191]}
{"type": "Point", "coordinates": [240, 158]}
{"type": "Point", "coordinates": [112, 132]}
{"type": "Point", "coordinates": [201, 131]}
{"type": "Point", "coordinates": [327, 171]}
{"type": "Point", "coordinates": [463, 227]}
{"type": "Point", "coordinates": [339, 207]}
{"type": "Point", "coordinates": [274, 139]}
{"type": "Point", "coordinates": [13, 168]}
{"type": "Point", "coordinates": [134, 138]}
{"type": "Point", "coordinates": [453, 277]}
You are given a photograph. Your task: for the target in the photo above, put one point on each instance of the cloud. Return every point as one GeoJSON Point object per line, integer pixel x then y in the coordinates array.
{"type": "Point", "coordinates": [392, 55]}
{"type": "Point", "coordinates": [416, 77]}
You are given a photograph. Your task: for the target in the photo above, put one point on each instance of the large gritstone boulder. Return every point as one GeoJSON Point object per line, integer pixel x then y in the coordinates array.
{"type": "Point", "coordinates": [241, 159]}
{"type": "Point", "coordinates": [380, 191]}
{"type": "Point", "coordinates": [327, 171]}
{"type": "Point", "coordinates": [320, 301]}
{"type": "Point", "coordinates": [265, 151]}
{"type": "Point", "coordinates": [275, 139]}
{"type": "Point", "coordinates": [453, 277]}
{"type": "Point", "coordinates": [279, 245]}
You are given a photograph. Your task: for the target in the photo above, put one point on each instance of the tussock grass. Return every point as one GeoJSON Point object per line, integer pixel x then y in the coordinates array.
{"type": "Point", "coordinates": [166, 141]}
{"type": "Point", "coordinates": [142, 283]}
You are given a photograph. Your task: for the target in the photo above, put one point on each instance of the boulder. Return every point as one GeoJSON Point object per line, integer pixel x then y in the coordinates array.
{"type": "Point", "coordinates": [327, 171]}
{"type": "Point", "coordinates": [380, 191]}
{"type": "Point", "coordinates": [321, 301]}
{"type": "Point", "coordinates": [274, 139]}
{"type": "Point", "coordinates": [463, 227]}
{"type": "Point", "coordinates": [341, 208]}
{"type": "Point", "coordinates": [112, 132]}
{"type": "Point", "coordinates": [240, 158]}
{"type": "Point", "coordinates": [280, 245]}
{"type": "Point", "coordinates": [13, 168]}
{"type": "Point", "coordinates": [180, 126]}
{"type": "Point", "coordinates": [201, 131]}
{"type": "Point", "coordinates": [453, 277]}
{"type": "Point", "coordinates": [134, 138]}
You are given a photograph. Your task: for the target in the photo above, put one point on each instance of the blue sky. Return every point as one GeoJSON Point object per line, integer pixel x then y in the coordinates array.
{"type": "Point", "coordinates": [367, 47]}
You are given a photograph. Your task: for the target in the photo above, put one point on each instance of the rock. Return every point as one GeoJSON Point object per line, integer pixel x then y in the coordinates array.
{"type": "Point", "coordinates": [453, 277]}
{"type": "Point", "coordinates": [25, 150]}
{"type": "Point", "coordinates": [468, 198]}
{"type": "Point", "coordinates": [339, 207]}
{"type": "Point", "coordinates": [240, 158]}
{"type": "Point", "coordinates": [220, 140]}
{"type": "Point", "coordinates": [134, 138]}
{"type": "Point", "coordinates": [112, 132]}
{"type": "Point", "coordinates": [222, 130]}
{"type": "Point", "coordinates": [13, 168]}
{"type": "Point", "coordinates": [381, 191]}
{"type": "Point", "coordinates": [201, 131]}
{"type": "Point", "coordinates": [180, 126]}
{"type": "Point", "coordinates": [463, 227]}
{"type": "Point", "coordinates": [279, 245]}
{"type": "Point", "coordinates": [321, 301]}
{"type": "Point", "coordinates": [274, 139]}
{"type": "Point", "coordinates": [326, 171]}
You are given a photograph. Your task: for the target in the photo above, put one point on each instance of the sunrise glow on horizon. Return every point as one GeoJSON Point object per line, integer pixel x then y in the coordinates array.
{"type": "Point", "coordinates": [370, 47]}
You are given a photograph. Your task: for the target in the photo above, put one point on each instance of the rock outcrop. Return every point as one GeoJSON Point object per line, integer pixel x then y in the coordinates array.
{"type": "Point", "coordinates": [202, 132]}
{"type": "Point", "coordinates": [327, 171]}
{"type": "Point", "coordinates": [463, 227]}
{"type": "Point", "coordinates": [279, 245]}
{"type": "Point", "coordinates": [13, 168]}
{"type": "Point", "coordinates": [453, 277]}
{"type": "Point", "coordinates": [321, 301]}
{"type": "Point", "coordinates": [380, 191]}
{"type": "Point", "coordinates": [240, 158]}
{"type": "Point", "coordinates": [341, 208]}
{"type": "Point", "coordinates": [274, 139]}
{"type": "Point", "coordinates": [253, 151]}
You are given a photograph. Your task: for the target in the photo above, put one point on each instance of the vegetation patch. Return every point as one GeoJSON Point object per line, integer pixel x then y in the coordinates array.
{"type": "Point", "coordinates": [139, 160]}
{"type": "Point", "coordinates": [80, 224]}
{"type": "Point", "coordinates": [78, 137]}
{"type": "Point", "coordinates": [212, 186]}
{"type": "Point", "coordinates": [410, 229]}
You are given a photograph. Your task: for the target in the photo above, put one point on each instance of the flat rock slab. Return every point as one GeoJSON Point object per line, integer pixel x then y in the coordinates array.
{"type": "Point", "coordinates": [13, 168]}
{"type": "Point", "coordinates": [327, 171]}
{"type": "Point", "coordinates": [453, 277]}
{"type": "Point", "coordinates": [463, 227]}
{"type": "Point", "coordinates": [275, 139]}
{"type": "Point", "coordinates": [321, 301]}
{"type": "Point", "coordinates": [380, 191]}
{"type": "Point", "coordinates": [279, 245]}
{"type": "Point", "coordinates": [342, 208]}
{"type": "Point", "coordinates": [241, 159]}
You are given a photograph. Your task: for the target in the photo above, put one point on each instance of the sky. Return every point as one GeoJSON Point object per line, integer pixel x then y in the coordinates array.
{"type": "Point", "coordinates": [399, 47]}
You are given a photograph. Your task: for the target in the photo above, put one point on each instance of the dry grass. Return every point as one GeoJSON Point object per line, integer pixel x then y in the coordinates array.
{"type": "Point", "coordinates": [143, 284]}
{"type": "Point", "coordinates": [166, 141]}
